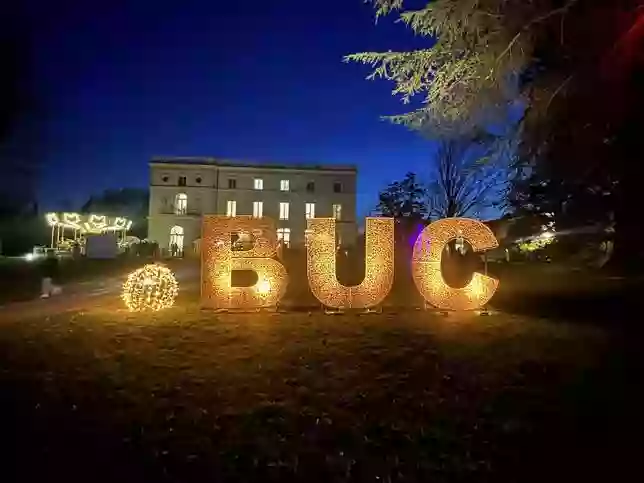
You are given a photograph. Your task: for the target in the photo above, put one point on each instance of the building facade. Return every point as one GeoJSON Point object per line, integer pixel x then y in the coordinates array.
{"type": "Point", "coordinates": [182, 190]}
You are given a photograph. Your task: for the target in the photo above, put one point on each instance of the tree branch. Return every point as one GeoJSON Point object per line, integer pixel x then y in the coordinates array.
{"type": "Point", "coordinates": [538, 19]}
{"type": "Point", "coordinates": [561, 86]}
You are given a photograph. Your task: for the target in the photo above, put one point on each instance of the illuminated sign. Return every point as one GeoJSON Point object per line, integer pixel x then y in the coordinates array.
{"type": "Point", "coordinates": [379, 260]}
{"type": "Point", "coordinates": [219, 260]}
{"type": "Point", "coordinates": [426, 264]}
{"type": "Point", "coordinates": [221, 256]}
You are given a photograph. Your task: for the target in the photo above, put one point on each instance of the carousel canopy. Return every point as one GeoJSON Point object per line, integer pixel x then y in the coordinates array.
{"type": "Point", "coordinates": [88, 223]}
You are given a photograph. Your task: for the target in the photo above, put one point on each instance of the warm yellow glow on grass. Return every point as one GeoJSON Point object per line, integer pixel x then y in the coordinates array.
{"type": "Point", "coordinates": [152, 287]}
{"type": "Point", "coordinates": [379, 260]}
{"type": "Point", "coordinates": [426, 264]}
{"type": "Point", "coordinates": [219, 260]}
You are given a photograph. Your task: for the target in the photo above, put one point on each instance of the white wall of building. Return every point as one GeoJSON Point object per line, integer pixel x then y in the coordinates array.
{"type": "Point", "coordinates": [208, 189]}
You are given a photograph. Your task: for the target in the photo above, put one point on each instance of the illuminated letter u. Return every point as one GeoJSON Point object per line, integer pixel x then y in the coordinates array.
{"type": "Point", "coordinates": [379, 260]}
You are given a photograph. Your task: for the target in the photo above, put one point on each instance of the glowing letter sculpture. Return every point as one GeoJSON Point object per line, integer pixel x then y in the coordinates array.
{"type": "Point", "coordinates": [379, 259]}
{"type": "Point", "coordinates": [426, 264]}
{"type": "Point", "coordinates": [219, 260]}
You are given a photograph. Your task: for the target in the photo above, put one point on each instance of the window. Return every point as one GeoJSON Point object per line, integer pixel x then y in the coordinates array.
{"type": "Point", "coordinates": [198, 179]}
{"type": "Point", "coordinates": [258, 184]}
{"type": "Point", "coordinates": [181, 204]}
{"type": "Point", "coordinates": [165, 179]}
{"type": "Point", "coordinates": [258, 209]}
{"type": "Point", "coordinates": [283, 211]}
{"type": "Point", "coordinates": [232, 184]}
{"type": "Point", "coordinates": [310, 187]}
{"type": "Point", "coordinates": [284, 235]}
{"type": "Point", "coordinates": [176, 241]}
{"type": "Point", "coordinates": [309, 210]}
{"type": "Point", "coordinates": [337, 187]}
{"type": "Point", "coordinates": [337, 212]}
{"type": "Point", "coordinates": [284, 185]}
{"type": "Point", "coordinates": [182, 180]}
{"type": "Point", "coordinates": [231, 208]}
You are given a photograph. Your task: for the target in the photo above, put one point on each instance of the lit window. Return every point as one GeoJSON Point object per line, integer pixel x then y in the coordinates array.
{"type": "Point", "coordinates": [310, 210]}
{"type": "Point", "coordinates": [283, 211]}
{"type": "Point", "coordinates": [258, 209]}
{"type": "Point", "coordinates": [181, 204]}
{"type": "Point", "coordinates": [232, 184]}
{"type": "Point", "coordinates": [284, 185]}
{"type": "Point", "coordinates": [231, 208]}
{"type": "Point", "coordinates": [337, 212]}
{"type": "Point", "coordinates": [259, 184]}
{"type": "Point", "coordinates": [284, 235]}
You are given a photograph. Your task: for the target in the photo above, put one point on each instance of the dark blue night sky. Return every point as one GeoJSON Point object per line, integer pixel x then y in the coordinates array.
{"type": "Point", "coordinates": [257, 79]}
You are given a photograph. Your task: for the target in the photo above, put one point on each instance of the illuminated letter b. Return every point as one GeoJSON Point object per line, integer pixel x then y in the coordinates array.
{"type": "Point", "coordinates": [219, 260]}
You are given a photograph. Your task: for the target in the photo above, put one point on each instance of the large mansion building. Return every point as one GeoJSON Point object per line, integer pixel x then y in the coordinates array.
{"type": "Point", "coordinates": [182, 190]}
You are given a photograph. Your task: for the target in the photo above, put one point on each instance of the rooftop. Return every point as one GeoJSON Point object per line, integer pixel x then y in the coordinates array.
{"type": "Point", "coordinates": [206, 161]}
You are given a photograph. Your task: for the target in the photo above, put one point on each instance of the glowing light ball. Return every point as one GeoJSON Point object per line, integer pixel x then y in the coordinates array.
{"type": "Point", "coordinates": [219, 260]}
{"type": "Point", "coordinates": [379, 260]}
{"type": "Point", "coordinates": [426, 264]}
{"type": "Point", "coordinates": [152, 287]}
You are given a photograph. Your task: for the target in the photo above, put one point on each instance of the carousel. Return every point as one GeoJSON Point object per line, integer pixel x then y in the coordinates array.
{"type": "Point", "coordinates": [71, 229]}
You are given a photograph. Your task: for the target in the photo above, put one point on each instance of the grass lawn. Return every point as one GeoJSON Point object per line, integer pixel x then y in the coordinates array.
{"type": "Point", "coordinates": [186, 395]}
{"type": "Point", "coordinates": [556, 291]}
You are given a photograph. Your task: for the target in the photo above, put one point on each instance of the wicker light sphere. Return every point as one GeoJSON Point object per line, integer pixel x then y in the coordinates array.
{"type": "Point", "coordinates": [152, 287]}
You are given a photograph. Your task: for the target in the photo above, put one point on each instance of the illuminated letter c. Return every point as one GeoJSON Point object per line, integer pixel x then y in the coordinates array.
{"type": "Point", "coordinates": [426, 264]}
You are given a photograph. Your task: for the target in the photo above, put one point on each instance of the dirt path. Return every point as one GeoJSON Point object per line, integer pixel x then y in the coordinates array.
{"type": "Point", "coordinates": [81, 296]}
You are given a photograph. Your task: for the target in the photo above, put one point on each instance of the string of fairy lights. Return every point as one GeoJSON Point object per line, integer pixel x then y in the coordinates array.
{"type": "Point", "coordinates": [154, 287]}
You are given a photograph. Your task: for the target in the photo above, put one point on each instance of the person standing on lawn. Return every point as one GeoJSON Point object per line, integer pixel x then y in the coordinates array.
{"type": "Point", "coordinates": [50, 272]}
